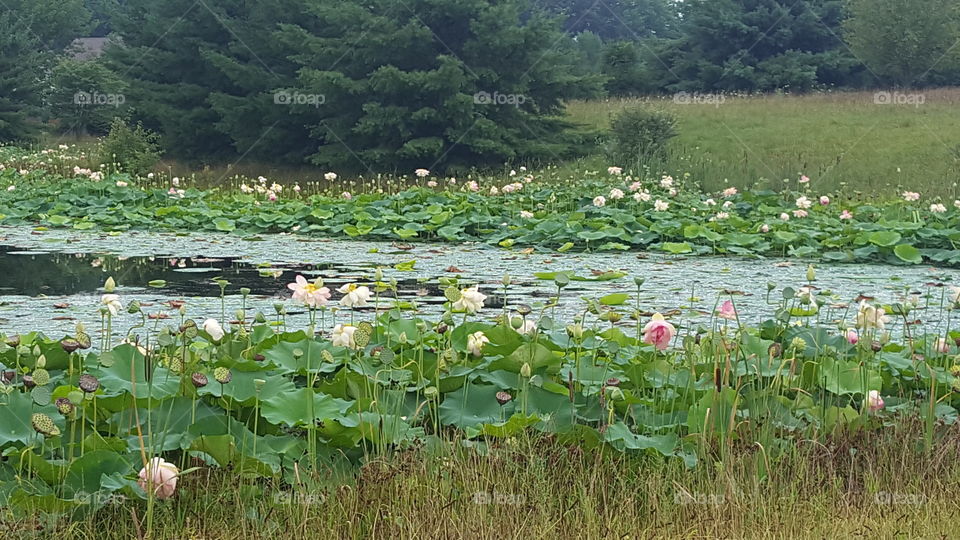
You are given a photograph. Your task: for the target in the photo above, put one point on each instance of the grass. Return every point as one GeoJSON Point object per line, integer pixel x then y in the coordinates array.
{"type": "Point", "coordinates": [831, 137]}
{"type": "Point", "coordinates": [862, 484]}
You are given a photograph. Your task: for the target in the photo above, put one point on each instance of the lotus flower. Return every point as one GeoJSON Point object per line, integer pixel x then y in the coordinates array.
{"type": "Point", "coordinates": [212, 327]}
{"type": "Point", "coordinates": [112, 302]}
{"type": "Point", "coordinates": [727, 311]}
{"type": "Point", "coordinates": [475, 343]}
{"type": "Point", "coordinates": [852, 336]}
{"type": "Point", "coordinates": [343, 336]}
{"type": "Point", "coordinates": [356, 296]}
{"type": "Point", "coordinates": [311, 294]}
{"type": "Point", "coordinates": [160, 476]}
{"type": "Point", "coordinates": [658, 332]}
{"type": "Point", "coordinates": [471, 300]}
{"type": "Point", "coordinates": [874, 401]}
{"type": "Point", "coordinates": [871, 317]}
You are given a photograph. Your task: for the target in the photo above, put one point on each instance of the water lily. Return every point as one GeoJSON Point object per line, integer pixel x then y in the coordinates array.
{"type": "Point", "coordinates": [212, 327]}
{"type": "Point", "coordinates": [160, 476]}
{"type": "Point", "coordinates": [355, 295]}
{"type": "Point", "coordinates": [869, 316]}
{"type": "Point", "coordinates": [343, 336]}
{"type": "Point", "coordinates": [311, 294]}
{"type": "Point", "coordinates": [470, 301]}
{"type": "Point", "coordinates": [727, 311]}
{"type": "Point", "coordinates": [658, 332]}
{"type": "Point", "coordinates": [475, 342]}
{"type": "Point", "coordinates": [874, 401]}
{"type": "Point", "coordinates": [112, 302]}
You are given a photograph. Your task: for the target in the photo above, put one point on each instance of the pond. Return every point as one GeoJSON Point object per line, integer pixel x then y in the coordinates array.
{"type": "Point", "coordinates": [51, 279]}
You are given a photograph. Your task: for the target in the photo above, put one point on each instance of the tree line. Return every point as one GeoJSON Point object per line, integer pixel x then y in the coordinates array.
{"type": "Point", "coordinates": [395, 84]}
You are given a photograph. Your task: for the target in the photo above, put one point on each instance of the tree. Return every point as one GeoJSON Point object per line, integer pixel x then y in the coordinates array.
{"type": "Point", "coordinates": [75, 100]}
{"type": "Point", "coordinates": [615, 20]}
{"type": "Point", "coordinates": [906, 43]}
{"type": "Point", "coordinates": [33, 34]}
{"type": "Point", "coordinates": [756, 45]}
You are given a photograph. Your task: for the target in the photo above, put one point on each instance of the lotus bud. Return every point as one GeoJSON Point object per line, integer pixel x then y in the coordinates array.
{"type": "Point", "coordinates": [244, 292]}
{"type": "Point", "coordinates": [278, 308]}
{"type": "Point", "coordinates": [811, 273]}
{"type": "Point", "coordinates": [639, 281]}
{"type": "Point", "coordinates": [239, 315]}
{"type": "Point", "coordinates": [110, 285]}
{"type": "Point", "coordinates": [525, 370]}
{"type": "Point", "coordinates": [260, 318]}
{"type": "Point", "coordinates": [133, 307]}
{"type": "Point", "coordinates": [575, 331]}
{"type": "Point", "coordinates": [506, 280]}
{"type": "Point", "coordinates": [41, 362]}
{"type": "Point", "coordinates": [378, 274]}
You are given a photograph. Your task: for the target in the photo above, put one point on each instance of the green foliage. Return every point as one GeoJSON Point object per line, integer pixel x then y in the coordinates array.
{"type": "Point", "coordinates": [906, 43]}
{"type": "Point", "coordinates": [640, 134]}
{"type": "Point", "coordinates": [73, 81]}
{"type": "Point", "coordinates": [130, 149]}
{"type": "Point", "coordinates": [622, 66]}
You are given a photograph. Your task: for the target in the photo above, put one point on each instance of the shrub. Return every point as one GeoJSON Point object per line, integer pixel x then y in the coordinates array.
{"type": "Point", "coordinates": [128, 149]}
{"type": "Point", "coordinates": [639, 135]}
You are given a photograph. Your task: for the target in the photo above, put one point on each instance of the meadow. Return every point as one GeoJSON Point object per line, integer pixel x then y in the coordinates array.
{"type": "Point", "coordinates": [825, 415]}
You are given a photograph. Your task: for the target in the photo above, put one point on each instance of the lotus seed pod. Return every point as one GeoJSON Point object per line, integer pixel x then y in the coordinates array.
{"type": "Point", "coordinates": [41, 377]}
{"type": "Point", "coordinates": [69, 345]}
{"type": "Point", "coordinates": [13, 341]}
{"type": "Point", "coordinates": [244, 292]}
{"type": "Point", "coordinates": [222, 375]}
{"type": "Point", "coordinates": [431, 392]}
{"type": "Point", "coordinates": [65, 406]}
{"type": "Point", "coordinates": [876, 346]}
{"type": "Point", "coordinates": [613, 381]}
{"type": "Point", "coordinates": [798, 343]}
{"type": "Point", "coordinates": [259, 357]}
{"type": "Point", "coordinates": [503, 397]}
{"type": "Point", "coordinates": [44, 425]}
{"type": "Point", "coordinates": [199, 379]}
{"type": "Point", "coordinates": [88, 383]}
{"type": "Point", "coordinates": [239, 315]}
{"type": "Point", "coordinates": [28, 382]}
{"type": "Point", "coordinates": [524, 309]}
{"type": "Point", "coordinates": [775, 350]}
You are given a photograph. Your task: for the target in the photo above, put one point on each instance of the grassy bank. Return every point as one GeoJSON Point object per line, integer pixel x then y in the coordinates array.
{"type": "Point", "coordinates": [862, 484]}
{"type": "Point", "coordinates": [833, 138]}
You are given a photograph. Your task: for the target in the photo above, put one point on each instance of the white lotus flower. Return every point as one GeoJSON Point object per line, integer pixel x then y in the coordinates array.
{"type": "Point", "coordinates": [471, 300]}
{"type": "Point", "coordinates": [475, 343]}
{"type": "Point", "coordinates": [343, 336]}
{"type": "Point", "coordinates": [212, 327]}
{"type": "Point", "coordinates": [112, 302]}
{"type": "Point", "coordinates": [871, 317]}
{"type": "Point", "coordinates": [356, 296]}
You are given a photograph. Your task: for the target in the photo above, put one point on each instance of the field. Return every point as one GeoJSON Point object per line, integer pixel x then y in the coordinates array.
{"type": "Point", "coordinates": [877, 149]}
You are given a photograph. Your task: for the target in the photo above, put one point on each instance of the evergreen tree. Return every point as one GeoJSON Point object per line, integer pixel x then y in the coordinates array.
{"type": "Point", "coordinates": [615, 20]}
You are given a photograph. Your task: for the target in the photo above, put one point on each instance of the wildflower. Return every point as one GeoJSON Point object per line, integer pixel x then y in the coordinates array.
{"type": "Point", "coordinates": [616, 171]}
{"type": "Point", "coordinates": [658, 332]}
{"type": "Point", "coordinates": [422, 173]}
{"type": "Point", "coordinates": [874, 401]}
{"type": "Point", "coordinates": [910, 196]}
{"type": "Point", "coordinates": [846, 215]}
{"type": "Point", "coordinates": [470, 301]}
{"type": "Point", "coordinates": [616, 194]}
{"type": "Point", "coordinates": [355, 296]}
{"type": "Point", "coordinates": [599, 201]}
{"type": "Point", "coordinates": [871, 317]}
{"type": "Point", "coordinates": [160, 476]}
{"type": "Point", "coordinates": [475, 342]}
{"type": "Point", "coordinates": [343, 336]}
{"type": "Point", "coordinates": [938, 208]}
{"type": "Point", "coordinates": [212, 327]}
{"type": "Point", "coordinates": [824, 200]}
{"type": "Point", "coordinates": [729, 192]}
{"type": "Point", "coordinates": [311, 294]}
{"type": "Point", "coordinates": [803, 202]}
{"type": "Point", "coordinates": [112, 302]}
{"type": "Point", "coordinates": [727, 311]}
{"type": "Point", "coordinates": [661, 206]}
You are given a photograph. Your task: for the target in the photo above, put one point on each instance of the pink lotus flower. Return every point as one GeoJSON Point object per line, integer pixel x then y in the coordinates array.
{"type": "Point", "coordinates": [311, 294]}
{"type": "Point", "coordinates": [852, 336]}
{"type": "Point", "coordinates": [800, 213]}
{"type": "Point", "coordinates": [874, 401]}
{"type": "Point", "coordinates": [846, 215]}
{"type": "Point", "coordinates": [346, 195]}
{"type": "Point", "coordinates": [824, 200]}
{"type": "Point", "coordinates": [658, 332]}
{"type": "Point", "coordinates": [911, 196]}
{"type": "Point", "coordinates": [730, 192]}
{"type": "Point", "coordinates": [160, 476]}
{"type": "Point", "coordinates": [727, 311]}
{"type": "Point", "coordinates": [804, 179]}
{"type": "Point", "coordinates": [941, 346]}
{"type": "Point", "coordinates": [636, 187]}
